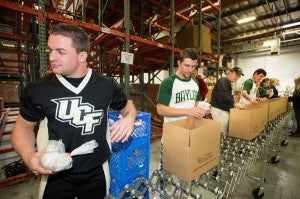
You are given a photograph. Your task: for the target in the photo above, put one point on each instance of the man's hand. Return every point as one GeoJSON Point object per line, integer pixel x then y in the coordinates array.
{"type": "Point", "coordinates": [33, 163]}
{"type": "Point", "coordinates": [196, 112]}
{"type": "Point", "coordinates": [121, 130]}
{"type": "Point", "coordinates": [239, 105]}
{"type": "Point", "coordinates": [253, 101]}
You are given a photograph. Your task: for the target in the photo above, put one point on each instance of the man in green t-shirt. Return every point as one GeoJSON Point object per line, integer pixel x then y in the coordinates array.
{"type": "Point", "coordinates": [250, 88]}
{"type": "Point", "coordinates": [178, 94]}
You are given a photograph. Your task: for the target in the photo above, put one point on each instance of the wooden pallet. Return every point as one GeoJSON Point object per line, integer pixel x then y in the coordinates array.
{"type": "Point", "coordinates": [4, 183]}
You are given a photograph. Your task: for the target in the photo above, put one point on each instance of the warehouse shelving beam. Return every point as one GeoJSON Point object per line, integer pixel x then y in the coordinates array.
{"type": "Point", "coordinates": [219, 37]}
{"type": "Point", "coordinates": [42, 39]}
{"type": "Point", "coordinates": [89, 26]}
{"type": "Point", "coordinates": [126, 44]}
{"type": "Point", "coordinates": [172, 15]}
{"type": "Point", "coordinates": [100, 45]}
{"type": "Point", "coordinates": [142, 58]}
{"type": "Point", "coordinates": [83, 9]}
{"type": "Point", "coordinates": [200, 31]}
{"type": "Point", "coordinates": [32, 46]}
{"type": "Point", "coordinates": [218, 8]}
{"type": "Point", "coordinates": [14, 36]}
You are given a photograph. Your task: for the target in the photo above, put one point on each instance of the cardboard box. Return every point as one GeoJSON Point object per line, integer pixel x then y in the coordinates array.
{"type": "Point", "coordinates": [9, 91]}
{"type": "Point", "coordinates": [283, 104]}
{"type": "Point", "coordinates": [191, 147]}
{"type": "Point", "coordinates": [248, 123]}
{"type": "Point", "coordinates": [188, 38]}
{"type": "Point", "coordinates": [274, 108]}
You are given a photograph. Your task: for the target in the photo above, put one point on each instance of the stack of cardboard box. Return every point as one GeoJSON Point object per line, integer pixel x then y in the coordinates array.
{"type": "Point", "coordinates": [188, 38]}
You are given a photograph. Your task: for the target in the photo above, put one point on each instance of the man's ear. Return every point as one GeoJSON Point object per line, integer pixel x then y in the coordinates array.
{"type": "Point", "coordinates": [83, 56]}
{"type": "Point", "coordinates": [178, 62]}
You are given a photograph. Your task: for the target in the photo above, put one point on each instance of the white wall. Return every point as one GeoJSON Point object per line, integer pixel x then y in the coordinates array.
{"type": "Point", "coordinates": [285, 66]}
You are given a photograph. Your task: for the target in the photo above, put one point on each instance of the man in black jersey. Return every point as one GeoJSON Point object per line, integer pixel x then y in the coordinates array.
{"type": "Point", "coordinates": [75, 101]}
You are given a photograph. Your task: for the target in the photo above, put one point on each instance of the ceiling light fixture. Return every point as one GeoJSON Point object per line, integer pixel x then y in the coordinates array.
{"type": "Point", "coordinates": [246, 20]}
{"type": "Point", "coordinates": [291, 24]}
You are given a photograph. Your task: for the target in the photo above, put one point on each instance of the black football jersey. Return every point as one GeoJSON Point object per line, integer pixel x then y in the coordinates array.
{"type": "Point", "coordinates": [75, 114]}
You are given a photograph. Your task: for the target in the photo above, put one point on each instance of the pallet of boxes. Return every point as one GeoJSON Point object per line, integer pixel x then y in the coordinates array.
{"type": "Point", "coordinates": [129, 161]}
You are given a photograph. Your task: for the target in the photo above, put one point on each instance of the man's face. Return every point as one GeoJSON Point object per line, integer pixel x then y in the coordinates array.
{"type": "Point", "coordinates": [233, 77]}
{"type": "Point", "coordinates": [186, 68]}
{"type": "Point", "coordinates": [64, 59]}
{"type": "Point", "coordinates": [258, 77]}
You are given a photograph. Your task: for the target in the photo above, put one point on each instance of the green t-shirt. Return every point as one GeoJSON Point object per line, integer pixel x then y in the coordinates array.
{"type": "Point", "coordinates": [178, 93]}
{"type": "Point", "coordinates": [262, 92]}
{"type": "Point", "coordinates": [248, 84]}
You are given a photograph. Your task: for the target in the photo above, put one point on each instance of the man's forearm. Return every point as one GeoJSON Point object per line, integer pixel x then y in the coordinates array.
{"type": "Point", "coordinates": [171, 112]}
{"type": "Point", "coordinates": [23, 139]}
{"type": "Point", "coordinates": [247, 96]}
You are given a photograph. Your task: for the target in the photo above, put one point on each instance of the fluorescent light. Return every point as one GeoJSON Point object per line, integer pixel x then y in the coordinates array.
{"type": "Point", "coordinates": [290, 40]}
{"type": "Point", "coordinates": [291, 24]}
{"type": "Point", "coordinates": [246, 20]}
{"type": "Point", "coordinates": [8, 45]}
{"type": "Point", "coordinates": [268, 43]}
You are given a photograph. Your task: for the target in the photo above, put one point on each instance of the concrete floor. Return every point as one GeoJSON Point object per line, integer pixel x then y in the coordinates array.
{"type": "Point", "coordinates": [282, 179]}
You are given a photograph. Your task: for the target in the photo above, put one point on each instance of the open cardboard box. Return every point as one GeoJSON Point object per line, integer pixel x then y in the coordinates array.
{"type": "Point", "coordinates": [191, 147]}
{"type": "Point", "coordinates": [248, 123]}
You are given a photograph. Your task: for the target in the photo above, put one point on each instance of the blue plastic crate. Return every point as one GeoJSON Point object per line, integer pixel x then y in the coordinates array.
{"type": "Point", "coordinates": [131, 161]}
{"type": "Point", "coordinates": [141, 132]}
{"type": "Point", "coordinates": [117, 184]}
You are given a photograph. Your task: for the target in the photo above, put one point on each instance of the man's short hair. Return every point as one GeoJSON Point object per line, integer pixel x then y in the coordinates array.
{"type": "Point", "coordinates": [188, 53]}
{"type": "Point", "coordinates": [260, 71]}
{"type": "Point", "coordinates": [237, 70]}
{"type": "Point", "coordinates": [80, 39]}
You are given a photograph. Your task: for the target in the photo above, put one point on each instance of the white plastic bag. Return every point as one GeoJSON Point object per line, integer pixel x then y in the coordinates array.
{"type": "Point", "coordinates": [55, 158]}
{"type": "Point", "coordinates": [85, 148]}
{"type": "Point", "coordinates": [55, 146]}
{"type": "Point", "coordinates": [55, 161]}
{"type": "Point", "coordinates": [204, 105]}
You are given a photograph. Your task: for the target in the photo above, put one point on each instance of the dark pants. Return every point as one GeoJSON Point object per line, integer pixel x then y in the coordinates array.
{"type": "Point", "coordinates": [66, 185]}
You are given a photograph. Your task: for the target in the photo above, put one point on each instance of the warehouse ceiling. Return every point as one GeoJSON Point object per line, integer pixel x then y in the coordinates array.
{"type": "Point", "coordinates": [275, 21]}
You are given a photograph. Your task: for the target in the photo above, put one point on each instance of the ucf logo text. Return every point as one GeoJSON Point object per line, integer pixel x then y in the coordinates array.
{"type": "Point", "coordinates": [78, 114]}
